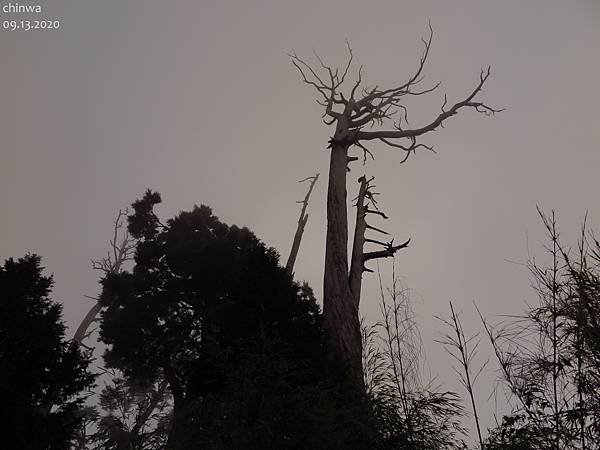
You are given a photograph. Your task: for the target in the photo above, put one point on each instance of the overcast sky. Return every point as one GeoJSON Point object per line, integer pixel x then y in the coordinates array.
{"type": "Point", "coordinates": [199, 101]}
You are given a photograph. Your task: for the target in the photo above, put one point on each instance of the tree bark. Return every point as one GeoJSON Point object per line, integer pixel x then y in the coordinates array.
{"type": "Point", "coordinates": [289, 267]}
{"type": "Point", "coordinates": [357, 263]}
{"type": "Point", "coordinates": [86, 322]}
{"type": "Point", "coordinates": [339, 311]}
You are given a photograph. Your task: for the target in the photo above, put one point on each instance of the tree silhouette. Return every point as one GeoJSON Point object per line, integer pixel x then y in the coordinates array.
{"type": "Point", "coordinates": [208, 306]}
{"type": "Point", "coordinates": [362, 116]}
{"type": "Point", "coordinates": [133, 417]}
{"type": "Point", "coordinates": [137, 416]}
{"type": "Point", "coordinates": [42, 375]}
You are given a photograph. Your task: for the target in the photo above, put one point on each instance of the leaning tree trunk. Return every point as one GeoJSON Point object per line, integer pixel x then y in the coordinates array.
{"type": "Point", "coordinates": [83, 327]}
{"type": "Point", "coordinates": [289, 267]}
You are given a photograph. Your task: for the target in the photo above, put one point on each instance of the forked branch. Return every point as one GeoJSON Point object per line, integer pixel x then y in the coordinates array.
{"type": "Point", "coordinates": [389, 250]}
{"type": "Point", "coordinates": [121, 249]}
{"type": "Point", "coordinates": [327, 83]}
{"type": "Point", "coordinates": [399, 133]}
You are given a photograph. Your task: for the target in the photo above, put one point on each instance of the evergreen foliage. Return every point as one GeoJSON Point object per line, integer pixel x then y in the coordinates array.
{"type": "Point", "coordinates": [42, 375]}
{"type": "Point", "coordinates": [239, 342]}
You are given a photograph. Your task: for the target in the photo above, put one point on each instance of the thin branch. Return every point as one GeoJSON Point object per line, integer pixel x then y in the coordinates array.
{"type": "Point", "coordinates": [466, 103]}
{"type": "Point", "coordinates": [388, 252]}
{"type": "Point", "coordinates": [457, 347]}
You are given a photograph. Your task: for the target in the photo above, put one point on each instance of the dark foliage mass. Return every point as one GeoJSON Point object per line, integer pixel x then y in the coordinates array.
{"type": "Point", "coordinates": [136, 417]}
{"type": "Point", "coordinates": [212, 345]}
{"type": "Point", "coordinates": [208, 307]}
{"type": "Point", "coordinates": [41, 374]}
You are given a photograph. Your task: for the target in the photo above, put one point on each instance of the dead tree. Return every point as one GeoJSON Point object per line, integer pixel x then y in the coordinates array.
{"type": "Point", "coordinates": [361, 116]}
{"type": "Point", "coordinates": [121, 251]}
{"type": "Point", "coordinates": [289, 267]}
{"type": "Point", "coordinates": [122, 247]}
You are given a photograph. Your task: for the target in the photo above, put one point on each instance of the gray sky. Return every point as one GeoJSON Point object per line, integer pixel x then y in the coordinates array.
{"type": "Point", "coordinates": [198, 100]}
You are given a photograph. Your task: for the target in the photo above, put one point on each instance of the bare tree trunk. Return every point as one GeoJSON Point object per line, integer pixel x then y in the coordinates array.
{"type": "Point", "coordinates": [357, 263]}
{"type": "Point", "coordinates": [366, 204]}
{"type": "Point", "coordinates": [289, 267]}
{"type": "Point", "coordinates": [81, 332]}
{"type": "Point", "coordinates": [178, 402]}
{"type": "Point", "coordinates": [339, 310]}
{"type": "Point", "coordinates": [120, 252]}
{"type": "Point", "coordinates": [342, 287]}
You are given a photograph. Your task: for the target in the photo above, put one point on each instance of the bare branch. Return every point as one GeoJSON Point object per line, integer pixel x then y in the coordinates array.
{"type": "Point", "coordinates": [317, 83]}
{"type": "Point", "coordinates": [410, 149]}
{"type": "Point", "coordinates": [327, 89]}
{"type": "Point", "coordinates": [357, 84]}
{"type": "Point", "coordinates": [379, 213]}
{"type": "Point", "coordinates": [369, 227]}
{"type": "Point", "coordinates": [466, 103]}
{"type": "Point", "coordinates": [403, 89]}
{"type": "Point", "coordinates": [375, 241]}
{"type": "Point", "coordinates": [366, 152]}
{"type": "Point", "coordinates": [387, 252]}
{"type": "Point", "coordinates": [351, 57]}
